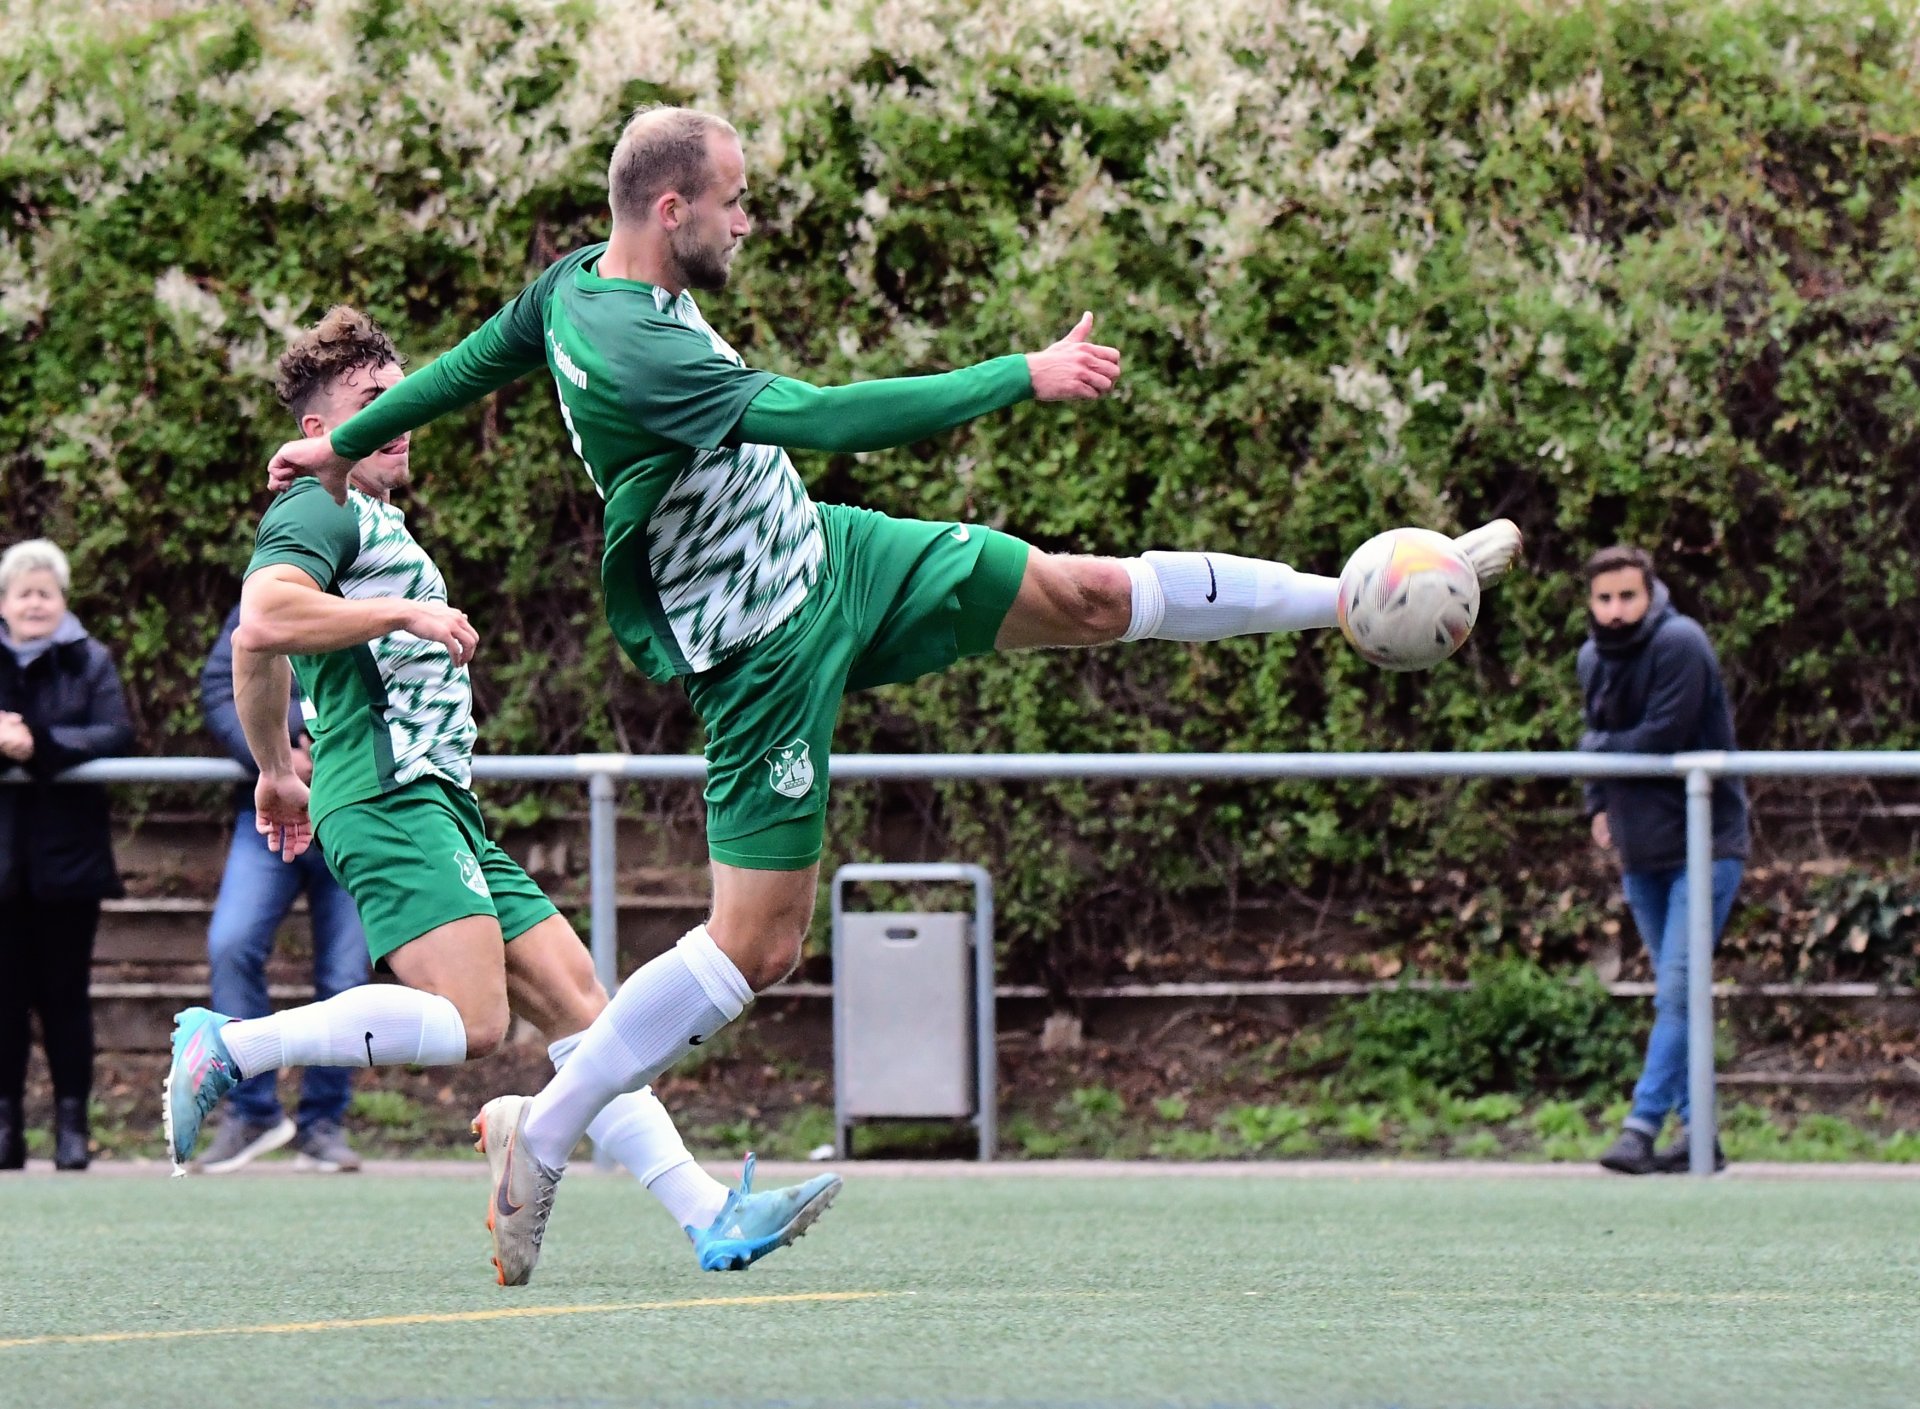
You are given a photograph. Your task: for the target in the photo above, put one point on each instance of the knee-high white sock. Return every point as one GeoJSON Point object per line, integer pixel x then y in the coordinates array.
{"type": "Point", "coordinates": [374, 1025]}
{"type": "Point", "coordinates": [1211, 596]}
{"type": "Point", "coordinates": [672, 1003]}
{"type": "Point", "coordinates": [636, 1130]}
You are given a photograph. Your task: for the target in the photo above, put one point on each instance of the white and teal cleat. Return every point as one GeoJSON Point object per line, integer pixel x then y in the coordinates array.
{"type": "Point", "coordinates": [752, 1225]}
{"type": "Point", "coordinates": [201, 1073]}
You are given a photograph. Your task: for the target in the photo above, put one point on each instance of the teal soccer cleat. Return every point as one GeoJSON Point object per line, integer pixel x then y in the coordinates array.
{"type": "Point", "coordinates": [202, 1072]}
{"type": "Point", "coordinates": [752, 1225]}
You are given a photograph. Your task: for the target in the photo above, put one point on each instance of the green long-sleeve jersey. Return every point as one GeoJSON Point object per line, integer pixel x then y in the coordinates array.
{"type": "Point", "coordinates": [711, 539]}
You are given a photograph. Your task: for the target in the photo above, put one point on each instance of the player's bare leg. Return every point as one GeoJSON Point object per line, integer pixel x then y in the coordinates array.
{"type": "Point", "coordinates": [551, 983]}
{"type": "Point", "coordinates": [1077, 601]}
{"type": "Point", "coordinates": [453, 1007]}
{"type": "Point", "coordinates": [679, 1000]}
{"type": "Point", "coordinates": [672, 1004]}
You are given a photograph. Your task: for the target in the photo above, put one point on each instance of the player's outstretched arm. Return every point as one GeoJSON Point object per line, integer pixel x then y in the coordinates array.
{"type": "Point", "coordinates": [878, 415]}
{"type": "Point", "coordinates": [503, 349]}
{"type": "Point", "coordinates": [284, 612]}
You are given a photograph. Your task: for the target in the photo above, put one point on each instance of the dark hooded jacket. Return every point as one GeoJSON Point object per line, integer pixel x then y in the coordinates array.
{"type": "Point", "coordinates": [55, 839]}
{"type": "Point", "coordinates": [1657, 690]}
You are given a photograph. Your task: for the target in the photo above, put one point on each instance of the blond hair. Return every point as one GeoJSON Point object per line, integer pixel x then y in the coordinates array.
{"type": "Point", "coordinates": [661, 149]}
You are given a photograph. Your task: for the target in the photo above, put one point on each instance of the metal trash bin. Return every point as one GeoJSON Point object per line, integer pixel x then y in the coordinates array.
{"type": "Point", "coordinates": [913, 1006]}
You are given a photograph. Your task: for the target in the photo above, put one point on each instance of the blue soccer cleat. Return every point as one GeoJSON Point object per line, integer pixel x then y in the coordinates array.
{"type": "Point", "coordinates": [201, 1073]}
{"type": "Point", "coordinates": [752, 1225]}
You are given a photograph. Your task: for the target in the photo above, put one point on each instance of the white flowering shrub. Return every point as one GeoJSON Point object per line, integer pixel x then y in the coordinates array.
{"type": "Point", "coordinates": [1640, 270]}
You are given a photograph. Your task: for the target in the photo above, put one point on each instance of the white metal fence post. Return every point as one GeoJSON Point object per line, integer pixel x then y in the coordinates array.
{"type": "Point", "coordinates": [603, 820]}
{"type": "Point", "coordinates": [1703, 1121]}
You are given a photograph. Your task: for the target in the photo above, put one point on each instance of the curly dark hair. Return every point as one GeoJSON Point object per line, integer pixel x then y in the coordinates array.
{"type": "Point", "coordinates": [341, 341]}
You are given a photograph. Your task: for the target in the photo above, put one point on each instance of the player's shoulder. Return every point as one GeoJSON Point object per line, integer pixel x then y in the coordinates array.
{"type": "Point", "coordinates": [303, 521]}
{"type": "Point", "coordinates": [306, 504]}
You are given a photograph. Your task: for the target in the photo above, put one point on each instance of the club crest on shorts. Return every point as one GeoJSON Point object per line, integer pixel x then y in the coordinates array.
{"type": "Point", "coordinates": [792, 766]}
{"type": "Point", "coordinates": [470, 873]}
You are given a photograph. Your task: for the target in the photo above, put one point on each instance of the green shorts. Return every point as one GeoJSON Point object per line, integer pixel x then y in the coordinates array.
{"type": "Point", "coordinates": [418, 858]}
{"type": "Point", "coordinates": [896, 599]}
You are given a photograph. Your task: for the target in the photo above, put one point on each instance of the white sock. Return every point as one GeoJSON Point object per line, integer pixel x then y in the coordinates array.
{"type": "Point", "coordinates": [1211, 596]}
{"type": "Point", "coordinates": [636, 1130]}
{"type": "Point", "coordinates": [676, 1001]}
{"type": "Point", "coordinates": [374, 1025]}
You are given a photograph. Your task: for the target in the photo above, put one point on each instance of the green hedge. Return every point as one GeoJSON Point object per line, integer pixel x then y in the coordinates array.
{"type": "Point", "coordinates": [1641, 270]}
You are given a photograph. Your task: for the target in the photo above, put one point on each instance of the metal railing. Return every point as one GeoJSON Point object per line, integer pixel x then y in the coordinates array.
{"type": "Point", "coordinates": [600, 772]}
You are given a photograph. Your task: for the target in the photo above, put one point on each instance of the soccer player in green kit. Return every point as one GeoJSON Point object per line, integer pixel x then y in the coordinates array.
{"type": "Point", "coordinates": [361, 609]}
{"type": "Point", "coordinates": [721, 572]}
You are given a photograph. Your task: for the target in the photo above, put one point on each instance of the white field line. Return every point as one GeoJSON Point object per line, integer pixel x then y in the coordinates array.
{"type": "Point", "coordinates": [784, 1171]}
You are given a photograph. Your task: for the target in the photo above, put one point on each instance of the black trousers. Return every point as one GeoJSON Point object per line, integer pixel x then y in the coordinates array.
{"type": "Point", "coordinates": [46, 962]}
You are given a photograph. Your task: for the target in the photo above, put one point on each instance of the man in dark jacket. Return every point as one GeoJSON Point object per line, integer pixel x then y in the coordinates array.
{"type": "Point", "coordinates": [1652, 685]}
{"type": "Point", "coordinates": [61, 705]}
{"type": "Point", "coordinates": [255, 894]}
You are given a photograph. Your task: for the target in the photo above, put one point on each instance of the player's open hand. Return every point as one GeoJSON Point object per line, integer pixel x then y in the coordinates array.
{"type": "Point", "coordinates": [436, 621]}
{"type": "Point", "coordinates": [280, 814]}
{"type": "Point", "coordinates": [1075, 368]}
{"type": "Point", "coordinates": [313, 456]}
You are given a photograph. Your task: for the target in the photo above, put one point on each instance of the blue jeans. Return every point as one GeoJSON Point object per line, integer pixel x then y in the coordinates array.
{"type": "Point", "coordinates": [1658, 900]}
{"type": "Point", "coordinates": [255, 894]}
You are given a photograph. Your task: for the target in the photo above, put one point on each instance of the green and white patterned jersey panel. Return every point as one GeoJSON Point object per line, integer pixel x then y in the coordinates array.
{"type": "Point", "coordinates": [392, 710]}
{"type": "Point", "coordinates": [429, 710]}
{"type": "Point", "coordinates": [735, 544]}
{"type": "Point", "coordinates": [711, 544]}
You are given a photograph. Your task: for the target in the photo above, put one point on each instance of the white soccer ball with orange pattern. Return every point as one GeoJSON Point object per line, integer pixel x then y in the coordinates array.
{"type": "Point", "coordinates": [1408, 599]}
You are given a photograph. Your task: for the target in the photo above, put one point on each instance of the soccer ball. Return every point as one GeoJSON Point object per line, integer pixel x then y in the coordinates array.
{"type": "Point", "coordinates": [1408, 598]}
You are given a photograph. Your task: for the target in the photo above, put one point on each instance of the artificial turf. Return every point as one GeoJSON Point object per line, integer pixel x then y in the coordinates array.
{"type": "Point", "coordinates": [1133, 1290]}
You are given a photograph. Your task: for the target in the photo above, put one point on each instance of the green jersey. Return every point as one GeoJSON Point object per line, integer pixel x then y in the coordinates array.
{"type": "Point", "coordinates": [711, 538]}
{"type": "Point", "coordinates": [710, 545]}
{"type": "Point", "coordinates": [397, 708]}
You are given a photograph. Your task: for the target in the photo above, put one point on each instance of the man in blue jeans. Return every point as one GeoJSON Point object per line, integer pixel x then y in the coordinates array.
{"type": "Point", "coordinates": [1652, 685]}
{"type": "Point", "coordinates": [255, 894]}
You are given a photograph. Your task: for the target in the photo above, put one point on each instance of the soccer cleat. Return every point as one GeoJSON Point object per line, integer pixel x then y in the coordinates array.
{"type": "Point", "coordinates": [752, 1225]}
{"type": "Point", "coordinates": [202, 1071]}
{"type": "Point", "coordinates": [1491, 548]}
{"type": "Point", "coordinates": [522, 1198]}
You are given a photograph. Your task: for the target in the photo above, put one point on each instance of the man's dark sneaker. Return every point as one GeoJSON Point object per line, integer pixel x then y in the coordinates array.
{"type": "Point", "coordinates": [237, 1143]}
{"type": "Point", "coordinates": [1632, 1153]}
{"type": "Point", "coordinates": [1677, 1158]}
{"type": "Point", "coordinates": [323, 1148]}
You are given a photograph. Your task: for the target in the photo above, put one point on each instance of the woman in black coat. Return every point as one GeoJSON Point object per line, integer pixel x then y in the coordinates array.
{"type": "Point", "coordinates": [61, 704]}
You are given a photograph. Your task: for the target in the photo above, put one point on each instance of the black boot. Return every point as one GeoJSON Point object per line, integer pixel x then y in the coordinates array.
{"type": "Point", "coordinates": [13, 1135]}
{"type": "Point", "coordinates": [1677, 1158]}
{"type": "Point", "coordinates": [1632, 1153]}
{"type": "Point", "coordinates": [70, 1134]}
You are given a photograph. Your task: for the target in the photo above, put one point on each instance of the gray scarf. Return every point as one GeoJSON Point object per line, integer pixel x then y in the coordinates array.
{"type": "Point", "coordinates": [27, 652]}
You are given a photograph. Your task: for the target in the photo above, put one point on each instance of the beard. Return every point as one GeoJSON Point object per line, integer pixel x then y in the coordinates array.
{"type": "Point", "coordinates": [382, 475]}
{"type": "Point", "coordinates": [702, 266]}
